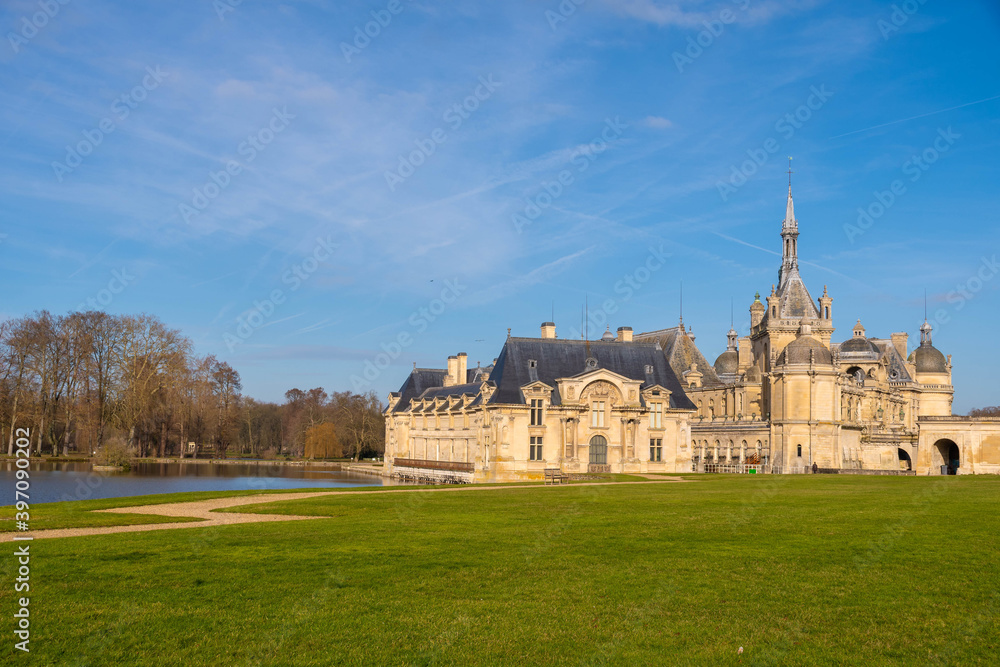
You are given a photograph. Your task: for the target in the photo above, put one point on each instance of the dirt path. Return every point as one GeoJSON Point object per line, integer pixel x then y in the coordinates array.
{"type": "Point", "coordinates": [205, 509]}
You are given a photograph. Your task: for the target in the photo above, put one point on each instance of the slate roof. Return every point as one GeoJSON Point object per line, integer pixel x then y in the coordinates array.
{"type": "Point", "coordinates": [897, 365]}
{"type": "Point", "coordinates": [929, 359]}
{"type": "Point", "coordinates": [859, 347]}
{"type": "Point", "coordinates": [419, 380]}
{"type": "Point", "coordinates": [680, 352]}
{"type": "Point", "coordinates": [794, 301]}
{"type": "Point", "coordinates": [803, 350]}
{"type": "Point", "coordinates": [561, 358]}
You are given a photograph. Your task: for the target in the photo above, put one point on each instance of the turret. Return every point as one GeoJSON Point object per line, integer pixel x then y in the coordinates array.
{"type": "Point", "coordinates": [757, 310]}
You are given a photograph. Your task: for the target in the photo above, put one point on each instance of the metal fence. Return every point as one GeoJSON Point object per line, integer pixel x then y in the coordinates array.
{"type": "Point", "coordinates": [735, 468]}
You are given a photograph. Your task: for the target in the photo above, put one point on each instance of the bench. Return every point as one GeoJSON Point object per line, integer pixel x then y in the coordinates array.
{"type": "Point", "coordinates": [555, 476]}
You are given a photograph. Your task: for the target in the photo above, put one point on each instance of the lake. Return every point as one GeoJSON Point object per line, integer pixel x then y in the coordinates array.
{"type": "Point", "coordinates": [54, 482]}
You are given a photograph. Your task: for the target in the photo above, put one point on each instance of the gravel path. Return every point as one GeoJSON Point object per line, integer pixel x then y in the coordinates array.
{"type": "Point", "coordinates": [205, 509]}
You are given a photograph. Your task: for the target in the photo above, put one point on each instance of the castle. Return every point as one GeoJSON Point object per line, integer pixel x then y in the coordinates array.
{"type": "Point", "coordinates": [784, 399]}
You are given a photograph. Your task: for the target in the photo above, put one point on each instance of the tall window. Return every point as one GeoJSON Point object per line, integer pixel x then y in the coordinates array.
{"type": "Point", "coordinates": [536, 412]}
{"type": "Point", "coordinates": [598, 450]}
{"type": "Point", "coordinates": [656, 415]}
{"type": "Point", "coordinates": [800, 450]}
{"type": "Point", "coordinates": [656, 449]}
{"type": "Point", "coordinates": [535, 448]}
{"type": "Point", "coordinates": [597, 414]}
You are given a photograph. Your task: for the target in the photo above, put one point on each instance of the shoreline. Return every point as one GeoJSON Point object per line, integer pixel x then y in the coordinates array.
{"type": "Point", "coordinates": [338, 465]}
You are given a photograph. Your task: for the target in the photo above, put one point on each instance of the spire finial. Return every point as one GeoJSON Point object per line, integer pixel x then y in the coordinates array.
{"type": "Point", "coordinates": [508, 332]}
{"type": "Point", "coordinates": [790, 173]}
{"type": "Point", "coordinates": [681, 314]}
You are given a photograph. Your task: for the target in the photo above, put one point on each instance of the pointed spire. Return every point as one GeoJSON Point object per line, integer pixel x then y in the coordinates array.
{"type": "Point", "coordinates": [790, 221]}
{"type": "Point", "coordinates": [680, 321]}
{"type": "Point", "coordinates": [789, 237]}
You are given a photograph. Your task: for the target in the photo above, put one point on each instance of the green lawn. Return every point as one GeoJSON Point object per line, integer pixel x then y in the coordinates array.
{"type": "Point", "coordinates": [796, 570]}
{"type": "Point", "coordinates": [79, 513]}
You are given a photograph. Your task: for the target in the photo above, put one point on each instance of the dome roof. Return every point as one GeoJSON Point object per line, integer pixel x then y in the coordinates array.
{"type": "Point", "coordinates": [859, 346]}
{"type": "Point", "coordinates": [753, 374]}
{"type": "Point", "coordinates": [804, 349]}
{"type": "Point", "coordinates": [929, 359]}
{"type": "Point", "coordinates": [728, 362]}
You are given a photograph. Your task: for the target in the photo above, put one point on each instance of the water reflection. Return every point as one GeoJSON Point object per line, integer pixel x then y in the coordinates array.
{"type": "Point", "coordinates": [76, 480]}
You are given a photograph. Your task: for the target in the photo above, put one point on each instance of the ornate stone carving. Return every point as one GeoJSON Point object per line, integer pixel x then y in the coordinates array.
{"type": "Point", "coordinates": [601, 390]}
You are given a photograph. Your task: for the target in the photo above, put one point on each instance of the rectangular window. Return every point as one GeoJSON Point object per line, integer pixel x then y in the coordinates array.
{"type": "Point", "coordinates": [536, 412]}
{"type": "Point", "coordinates": [656, 415]}
{"type": "Point", "coordinates": [597, 414]}
{"type": "Point", "coordinates": [535, 448]}
{"type": "Point", "coordinates": [656, 449]}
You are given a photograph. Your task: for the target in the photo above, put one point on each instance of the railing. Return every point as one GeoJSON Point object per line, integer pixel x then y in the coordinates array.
{"type": "Point", "coordinates": [737, 468]}
{"type": "Point", "coordinates": [451, 466]}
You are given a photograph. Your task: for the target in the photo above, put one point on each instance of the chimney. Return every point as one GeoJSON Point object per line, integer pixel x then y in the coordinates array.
{"type": "Point", "coordinates": [745, 357]}
{"type": "Point", "coordinates": [899, 341]}
{"type": "Point", "coordinates": [624, 334]}
{"type": "Point", "coordinates": [452, 376]}
{"type": "Point", "coordinates": [463, 368]}
{"type": "Point", "coordinates": [548, 329]}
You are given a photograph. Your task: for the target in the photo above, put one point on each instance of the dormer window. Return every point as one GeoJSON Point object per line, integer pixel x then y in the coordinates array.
{"type": "Point", "coordinates": [536, 411]}
{"type": "Point", "coordinates": [649, 369]}
{"type": "Point", "coordinates": [532, 363]}
{"type": "Point", "coordinates": [597, 414]}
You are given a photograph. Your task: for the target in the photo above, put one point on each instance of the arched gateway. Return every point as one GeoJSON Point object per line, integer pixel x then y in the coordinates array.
{"type": "Point", "coordinates": [947, 456]}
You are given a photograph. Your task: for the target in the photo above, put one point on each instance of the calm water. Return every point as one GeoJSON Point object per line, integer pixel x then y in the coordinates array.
{"type": "Point", "coordinates": [52, 482]}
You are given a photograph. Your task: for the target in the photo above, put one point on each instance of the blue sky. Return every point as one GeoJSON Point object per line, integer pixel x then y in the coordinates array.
{"type": "Point", "coordinates": [628, 124]}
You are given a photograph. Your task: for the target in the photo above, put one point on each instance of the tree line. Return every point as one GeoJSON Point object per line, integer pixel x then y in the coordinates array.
{"type": "Point", "coordinates": [86, 379]}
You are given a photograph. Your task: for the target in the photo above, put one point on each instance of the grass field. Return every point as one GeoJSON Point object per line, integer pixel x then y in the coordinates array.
{"type": "Point", "coordinates": [796, 570]}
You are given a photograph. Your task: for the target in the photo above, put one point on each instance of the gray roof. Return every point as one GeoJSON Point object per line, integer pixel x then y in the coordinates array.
{"type": "Point", "coordinates": [728, 363]}
{"type": "Point", "coordinates": [803, 350]}
{"type": "Point", "coordinates": [680, 352]}
{"type": "Point", "coordinates": [929, 359]}
{"type": "Point", "coordinates": [418, 381]}
{"type": "Point", "coordinates": [794, 301]}
{"type": "Point", "coordinates": [897, 365]}
{"type": "Point", "coordinates": [557, 358]}
{"type": "Point", "coordinates": [859, 348]}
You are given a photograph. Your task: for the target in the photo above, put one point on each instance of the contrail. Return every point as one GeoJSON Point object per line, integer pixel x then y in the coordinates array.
{"type": "Point", "coordinates": [923, 115]}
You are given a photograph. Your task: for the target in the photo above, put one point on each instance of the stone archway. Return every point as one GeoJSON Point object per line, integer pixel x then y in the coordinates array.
{"type": "Point", "coordinates": [947, 456]}
{"type": "Point", "coordinates": [905, 463]}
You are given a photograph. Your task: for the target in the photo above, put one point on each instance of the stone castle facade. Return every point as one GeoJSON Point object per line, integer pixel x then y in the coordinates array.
{"type": "Point", "coordinates": [784, 399]}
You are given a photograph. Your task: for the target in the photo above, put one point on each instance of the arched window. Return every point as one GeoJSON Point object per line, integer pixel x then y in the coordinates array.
{"type": "Point", "coordinates": [800, 451]}
{"type": "Point", "coordinates": [599, 450]}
